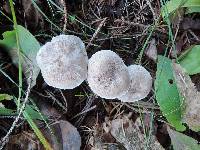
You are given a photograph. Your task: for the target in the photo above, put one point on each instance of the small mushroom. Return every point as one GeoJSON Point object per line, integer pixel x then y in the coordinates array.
{"type": "Point", "coordinates": [108, 76]}
{"type": "Point", "coordinates": [63, 62]}
{"type": "Point", "coordinates": [140, 86]}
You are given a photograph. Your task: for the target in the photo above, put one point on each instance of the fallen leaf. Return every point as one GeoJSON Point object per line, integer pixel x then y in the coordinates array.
{"type": "Point", "coordinates": [182, 142]}
{"type": "Point", "coordinates": [29, 47]}
{"type": "Point", "coordinates": [31, 14]}
{"type": "Point", "coordinates": [188, 90]}
{"type": "Point", "coordinates": [126, 132]}
{"type": "Point", "coordinates": [2, 105]}
{"type": "Point", "coordinates": [64, 137]}
{"type": "Point", "coordinates": [167, 95]}
{"type": "Point", "coordinates": [190, 23]}
{"type": "Point", "coordinates": [151, 51]}
{"type": "Point", "coordinates": [23, 141]}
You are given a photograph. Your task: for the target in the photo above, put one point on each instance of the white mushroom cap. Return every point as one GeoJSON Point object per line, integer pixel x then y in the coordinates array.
{"type": "Point", "coordinates": [63, 62]}
{"type": "Point", "coordinates": [108, 76]}
{"type": "Point", "coordinates": [141, 84]}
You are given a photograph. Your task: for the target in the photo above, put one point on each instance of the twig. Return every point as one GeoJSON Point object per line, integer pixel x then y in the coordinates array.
{"type": "Point", "coordinates": [64, 98]}
{"type": "Point", "coordinates": [194, 35]}
{"type": "Point", "coordinates": [65, 15]}
{"type": "Point", "coordinates": [151, 8]}
{"type": "Point", "coordinates": [96, 32]}
{"type": "Point", "coordinates": [84, 111]}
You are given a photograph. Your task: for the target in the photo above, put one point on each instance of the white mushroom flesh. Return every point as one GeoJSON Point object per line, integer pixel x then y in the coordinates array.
{"type": "Point", "coordinates": [141, 84]}
{"type": "Point", "coordinates": [63, 62]}
{"type": "Point", "coordinates": [108, 76]}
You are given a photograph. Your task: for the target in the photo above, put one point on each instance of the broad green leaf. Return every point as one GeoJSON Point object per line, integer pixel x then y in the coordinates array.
{"type": "Point", "coordinates": [167, 94]}
{"type": "Point", "coordinates": [173, 5]}
{"type": "Point", "coordinates": [29, 47]}
{"type": "Point", "coordinates": [190, 60]}
{"type": "Point", "coordinates": [182, 142]}
{"type": "Point", "coordinates": [6, 111]}
{"type": "Point", "coordinates": [5, 97]}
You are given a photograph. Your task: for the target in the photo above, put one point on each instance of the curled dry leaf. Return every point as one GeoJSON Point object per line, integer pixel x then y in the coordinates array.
{"type": "Point", "coordinates": [126, 132]}
{"type": "Point", "coordinates": [151, 51]}
{"type": "Point", "coordinates": [191, 96]}
{"type": "Point", "coordinates": [31, 14]}
{"type": "Point", "coordinates": [2, 105]}
{"type": "Point", "coordinates": [182, 142]}
{"type": "Point", "coordinates": [65, 136]}
{"type": "Point", "coordinates": [23, 141]}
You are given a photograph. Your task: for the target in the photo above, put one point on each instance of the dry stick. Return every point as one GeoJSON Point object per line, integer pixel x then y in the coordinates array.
{"type": "Point", "coordinates": [96, 32]}
{"type": "Point", "coordinates": [5, 138]}
{"type": "Point", "coordinates": [151, 8]}
{"type": "Point", "coordinates": [84, 111]}
{"type": "Point", "coordinates": [194, 35]}
{"type": "Point", "coordinates": [65, 15]}
{"type": "Point", "coordinates": [130, 23]}
{"type": "Point", "coordinates": [64, 98]}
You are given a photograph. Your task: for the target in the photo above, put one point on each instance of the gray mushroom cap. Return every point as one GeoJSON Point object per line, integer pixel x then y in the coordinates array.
{"type": "Point", "coordinates": [141, 84]}
{"type": "Point", "coordinates": [63, 62]}
{"type": "Point", "coordinates": [108, 76]}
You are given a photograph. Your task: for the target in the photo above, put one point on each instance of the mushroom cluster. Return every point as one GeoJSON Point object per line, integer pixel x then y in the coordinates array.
{"type": "Point", "coordinates": [64, 64]}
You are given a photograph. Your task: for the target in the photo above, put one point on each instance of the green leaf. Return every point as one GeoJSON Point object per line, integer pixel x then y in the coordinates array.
{"type": "Point", "coordinates": [167, 94]}
{"type": "Point", "coordinates": [193, 10]}
{"type": "Point", "coordinates": [29, 46]}
{"type": "Point", "coordinates": [182, 142]}
{"type": "Point", "coordinates": [6, 111]}
{"type": "Point", "coordinates": [173, 5]}
{"type": "Point", "coordinates": [33, 113]}
{"type": "Point", "coordinates": [190, 60]}
{"type": "Point", "coordinates": [5, 97]}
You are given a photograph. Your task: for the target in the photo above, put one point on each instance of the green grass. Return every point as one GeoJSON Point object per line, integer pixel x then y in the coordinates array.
{"type": "Point", "coordinates": [19, 55]}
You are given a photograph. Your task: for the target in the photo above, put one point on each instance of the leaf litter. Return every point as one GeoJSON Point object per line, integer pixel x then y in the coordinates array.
{"type": "Point", "coordinates": [127, 134]}
{"type": "Point", "coordinates": [191, 96]}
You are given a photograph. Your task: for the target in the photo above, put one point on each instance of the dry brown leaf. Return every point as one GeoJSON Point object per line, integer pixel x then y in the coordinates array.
{"type": "Point", "coordinates": [151, 51]}
{"type": "Point", "coordinates": [181, 141]}
{"type": "Point", "coordinates": [65, 136]}
{"type": "Point", "coordinates": [126, 132]}
{"type": "Point", "coordinates": [2, 105]}
{"type": "Point", "coordinates": [24, 141]}
{"type": "Point", "coordinates": [32, 16]}
{"type": "Point", "coordinates": [191, 96]}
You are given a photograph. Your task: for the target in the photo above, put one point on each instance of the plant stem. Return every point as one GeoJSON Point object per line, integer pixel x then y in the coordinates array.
{"type": "Point", "coordinates": [19, 54]}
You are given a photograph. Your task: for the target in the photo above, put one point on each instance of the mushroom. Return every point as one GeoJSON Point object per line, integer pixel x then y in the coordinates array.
{"type": "Point", "coordinates": [108, 76]}
{"type": "Point", "coordinates": [140, 85]}
{"type": "Point", "coordinates": [63, 62]}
